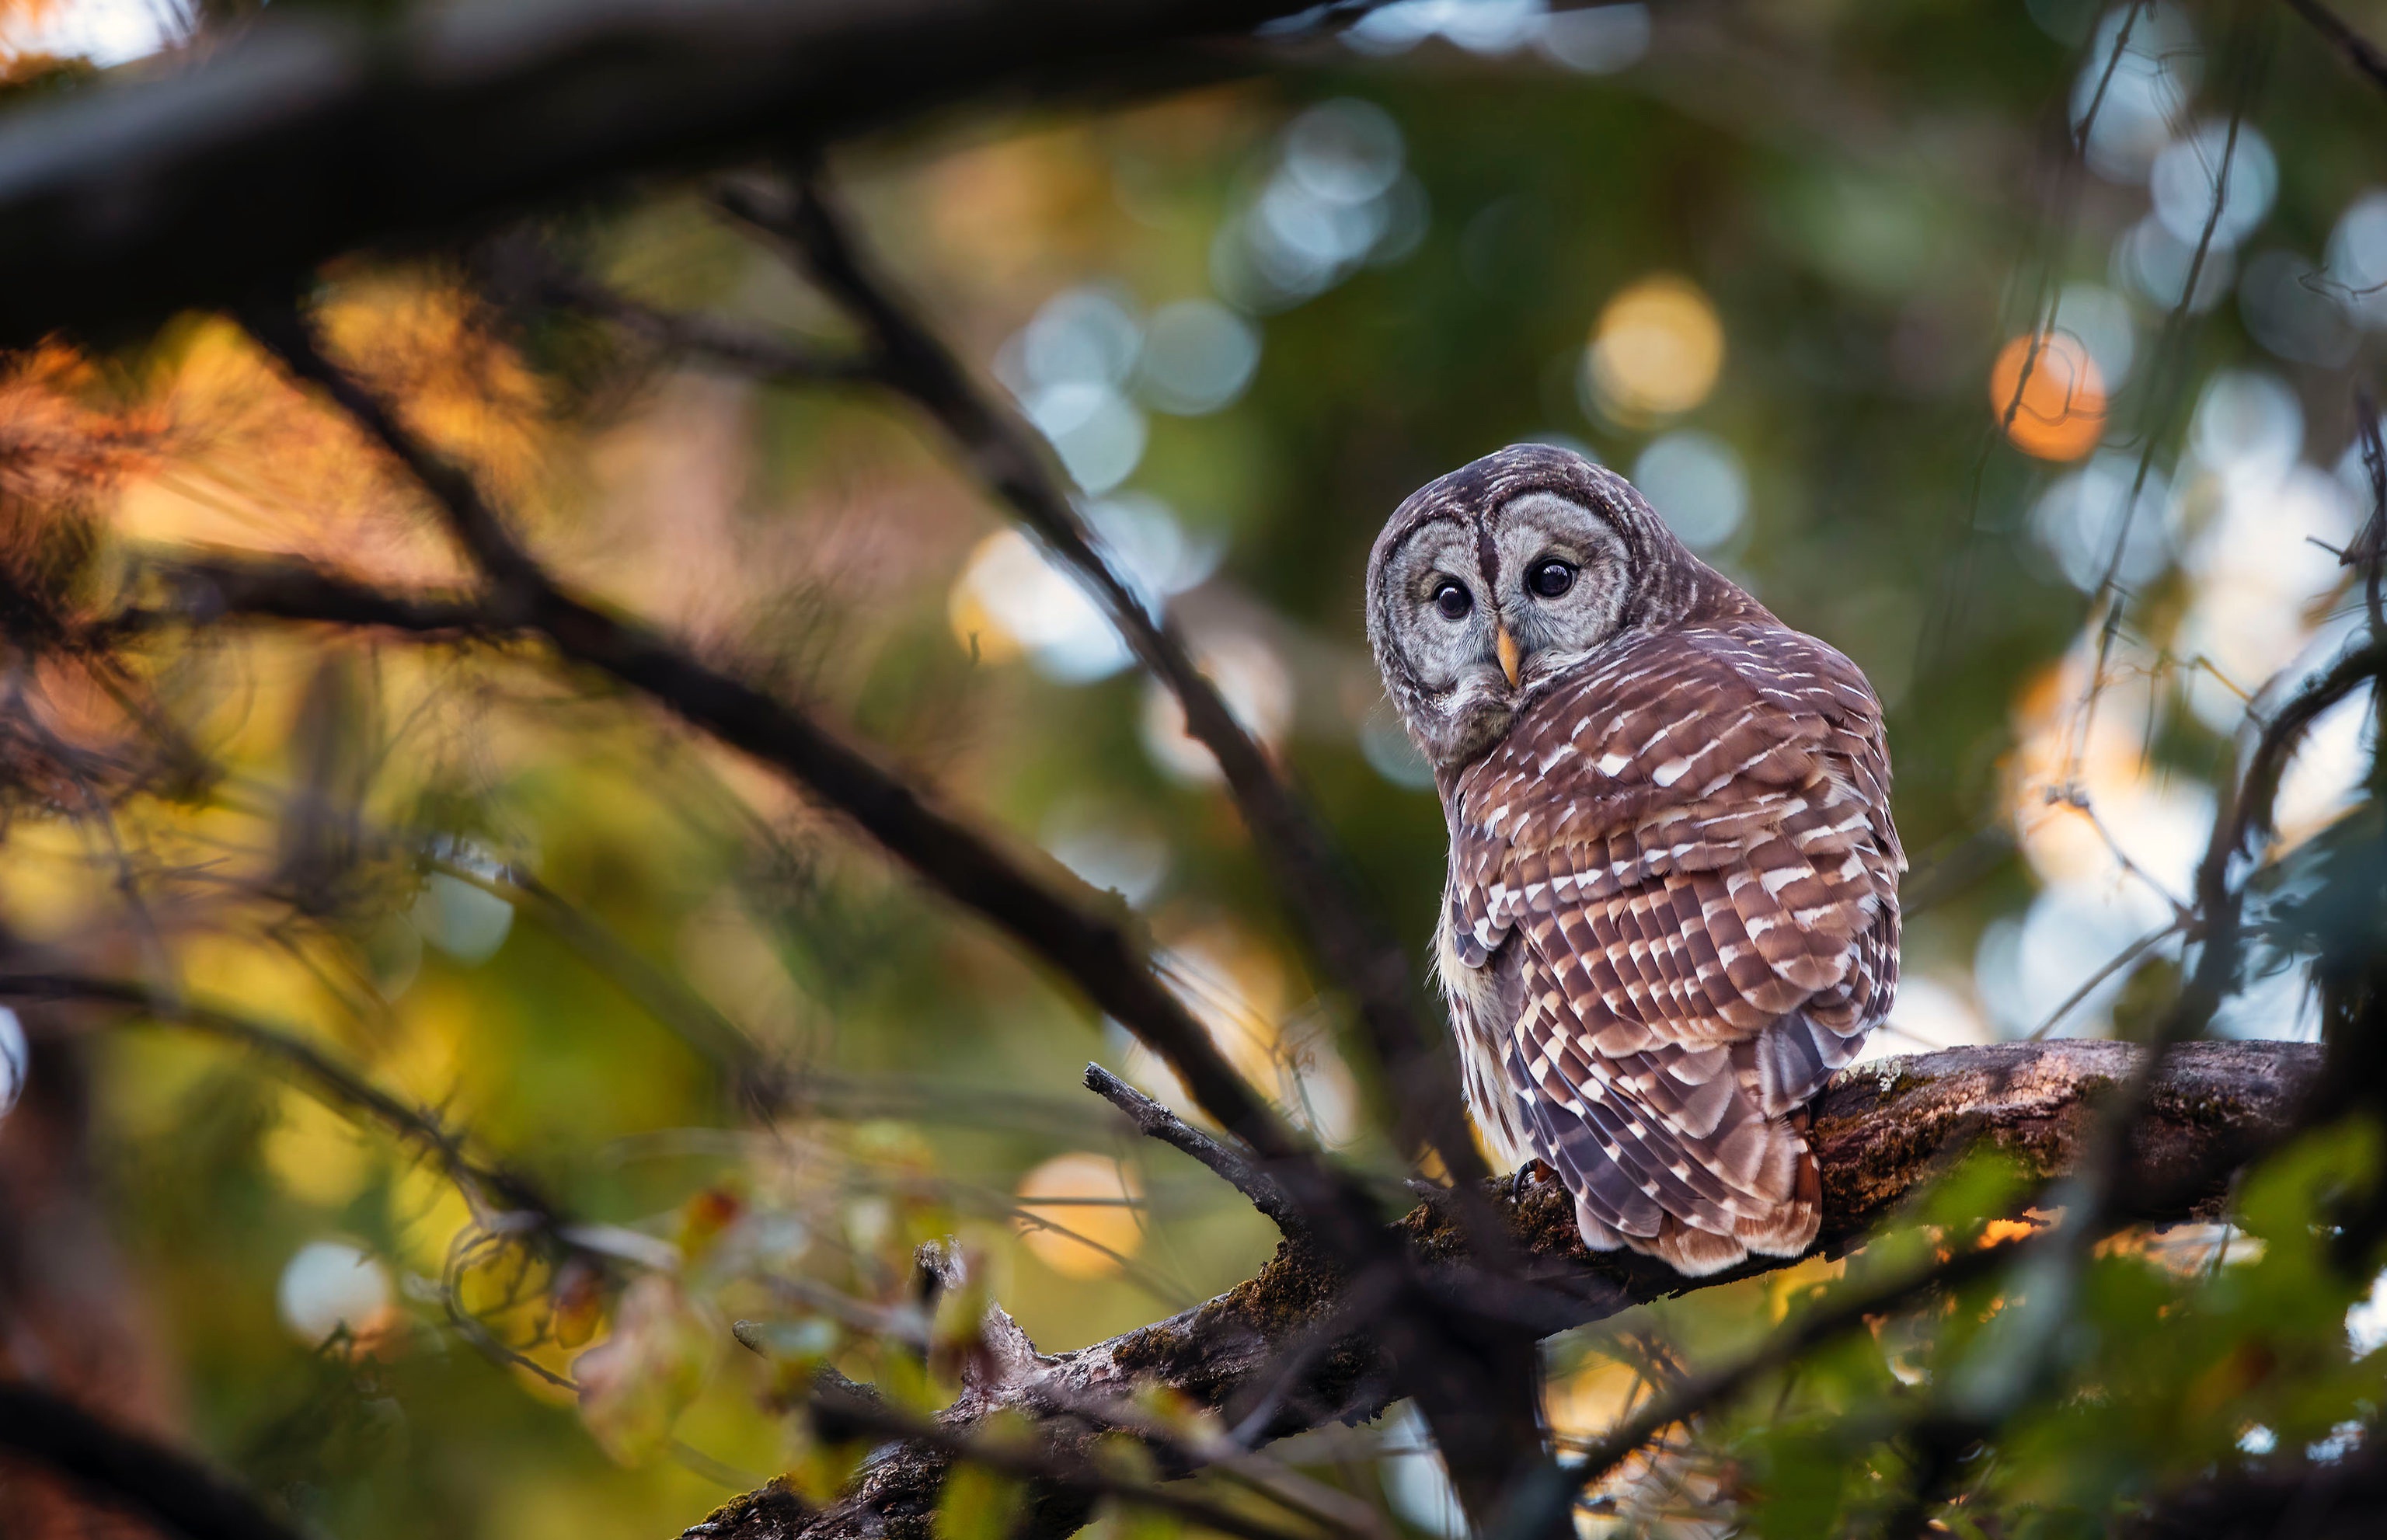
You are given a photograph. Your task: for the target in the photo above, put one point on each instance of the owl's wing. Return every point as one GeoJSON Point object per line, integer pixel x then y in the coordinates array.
{"type": "Point", "coordinates": [1690, 848]}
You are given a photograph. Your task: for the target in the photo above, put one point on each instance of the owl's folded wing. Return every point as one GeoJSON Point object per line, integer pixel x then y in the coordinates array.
{"type": "Point", "coordinates": [1696, 836]}
{"type": "Point", "coordinates": [1691, 847]}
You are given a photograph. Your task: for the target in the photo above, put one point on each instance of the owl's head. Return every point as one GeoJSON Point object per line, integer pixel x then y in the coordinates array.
{"type": "Point", "coordinates": [1494, 581]}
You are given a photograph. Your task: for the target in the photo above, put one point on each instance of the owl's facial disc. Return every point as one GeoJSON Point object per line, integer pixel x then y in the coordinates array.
{"type": "Point", "coordinates": [1437, 625]}
{"type": "Point", "coordinates": [1563, 579]}
{"type": "Point", "coordinates": [1474, 612]}
{"type": "Point", "coordinates": [1491, 584]}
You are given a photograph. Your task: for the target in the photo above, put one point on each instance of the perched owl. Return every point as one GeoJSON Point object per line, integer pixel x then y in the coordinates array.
{"type": "Point", "coordinates": [1672, 909]}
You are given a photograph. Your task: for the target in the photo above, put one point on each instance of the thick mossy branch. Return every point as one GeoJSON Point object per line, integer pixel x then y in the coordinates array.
{"type": "Point", "coordinates": [1288, 1343]}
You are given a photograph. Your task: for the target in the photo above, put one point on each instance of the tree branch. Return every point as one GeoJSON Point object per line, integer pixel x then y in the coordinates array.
{"type": "Point", "coordinates": [1097, 954]}
{"type": "Point", "coordinates": [1879, 1131]}
{"type": "Point", "coordinates": [517, 583]}
{"type": "Point", "coordinates": [743, 348]}
{"type": "Point", "coordinates": [1156, 1121]}
{"type": "Point", "coordinates": [2365, 57]}
{"type": "Point", "coordinates": [1047, 1465]}
{"type": "Point", "coordinates": [493, 1191]}
{"type": "Point", "coordinates": [130, 1471]}
{"type": "Point", "coordinates": [310, 136]}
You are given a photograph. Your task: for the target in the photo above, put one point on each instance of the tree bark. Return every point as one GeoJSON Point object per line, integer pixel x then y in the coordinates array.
{"type": "Point", "coordinates": [1880, 1130]}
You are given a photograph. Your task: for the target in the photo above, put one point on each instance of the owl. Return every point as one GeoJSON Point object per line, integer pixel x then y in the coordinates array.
{"type": "Point", "coordinates": [1672, 907]}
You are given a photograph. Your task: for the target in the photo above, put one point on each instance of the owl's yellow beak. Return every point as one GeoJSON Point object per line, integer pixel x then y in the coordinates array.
{"type": "Point", "coordinates": [1507, 646]}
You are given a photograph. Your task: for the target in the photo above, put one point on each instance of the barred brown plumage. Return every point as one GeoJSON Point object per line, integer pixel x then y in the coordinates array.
{"type": "Point", "coordinates": [1673, 900]}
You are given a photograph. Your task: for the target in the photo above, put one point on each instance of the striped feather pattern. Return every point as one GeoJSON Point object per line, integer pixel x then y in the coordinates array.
{"type": "Point", "coordinates": [1673, 913]}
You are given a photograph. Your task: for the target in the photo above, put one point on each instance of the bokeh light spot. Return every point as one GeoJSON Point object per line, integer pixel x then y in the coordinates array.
{"type": "Point", "coordinates": [16, 1059]}
{"type": "Point", "coordinates": [1073, 1199]}
{"type": "Point", "coordinates": [1657, 351]}
{"type": "Point", "coordinates": [2187, 180]}
{"type": "Point", "coordinates": [1009, 600]}
{"type": "Point", "coordinates": [1696, 482]}
{"type": "Point", "coordinates": [1198, 357]}
{"type": "Point", "coordinates": [2060, 414]}
{"type": "Point", "coordinates": [330, 1284]}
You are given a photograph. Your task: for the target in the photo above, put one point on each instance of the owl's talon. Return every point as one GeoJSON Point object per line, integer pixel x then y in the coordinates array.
{"type": "Point", "coordinates": [1531, 1173]}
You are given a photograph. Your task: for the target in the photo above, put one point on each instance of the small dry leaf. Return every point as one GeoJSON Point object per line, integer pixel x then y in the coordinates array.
{"type": "Point", "coordinates": [635, 1383]}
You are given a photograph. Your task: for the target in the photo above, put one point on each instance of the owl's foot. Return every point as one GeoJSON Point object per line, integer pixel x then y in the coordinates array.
{"type": "Point", "coordinates": [1532, 1173]}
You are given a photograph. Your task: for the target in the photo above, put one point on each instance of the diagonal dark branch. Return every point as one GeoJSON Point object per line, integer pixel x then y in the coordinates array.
{"type": "Point", "coordinates": [131, 1471]}
{"type": "Point", "coordinates": [516, 582]}
{"type": "Point", "coordinates": [1097, 954]}
{"type": "Point", "coordinates": [1156, 1121]}
{"type": "Point", "coordinates": [1001, 448]}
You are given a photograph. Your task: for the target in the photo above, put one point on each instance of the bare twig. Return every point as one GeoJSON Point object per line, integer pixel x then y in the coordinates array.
{"type": "Point", "coordinates": [689, 1017]}
{"type": "Point", "coordinates": [2161, 404]}
{"type": "Point", "coordinates": [130, 1471]}
{"type": "Point", "coordinates": [1203, 1447]}
{"type": "Point", "coordinates": [2110, 966]}
{"type": "Point", "coordinates": [2365, 57]}
{"type": "Point", "coordinates": [493, 1191]}
{"type": "Point", "coordinates": [1157, 1122]}
{"type": "Point", "coordinates": [516, 582]}
{"type": "Point", "coordinates": [2368, 554]}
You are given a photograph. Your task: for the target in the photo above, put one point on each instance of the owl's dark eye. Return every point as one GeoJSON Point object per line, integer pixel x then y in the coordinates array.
{"type": "Point", "coordinates": [1453, 600]}
{"type": "Point", "coordinates": [1550, 579]}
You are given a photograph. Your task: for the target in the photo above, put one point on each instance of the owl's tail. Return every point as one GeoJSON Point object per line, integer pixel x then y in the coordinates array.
{"type": "Point", "coordinates": [1781, 1219]}
{"type": "Point", "coordinates": [1701, 1158]}
{"type": "Point", "coordinates": [1785, 1230]}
